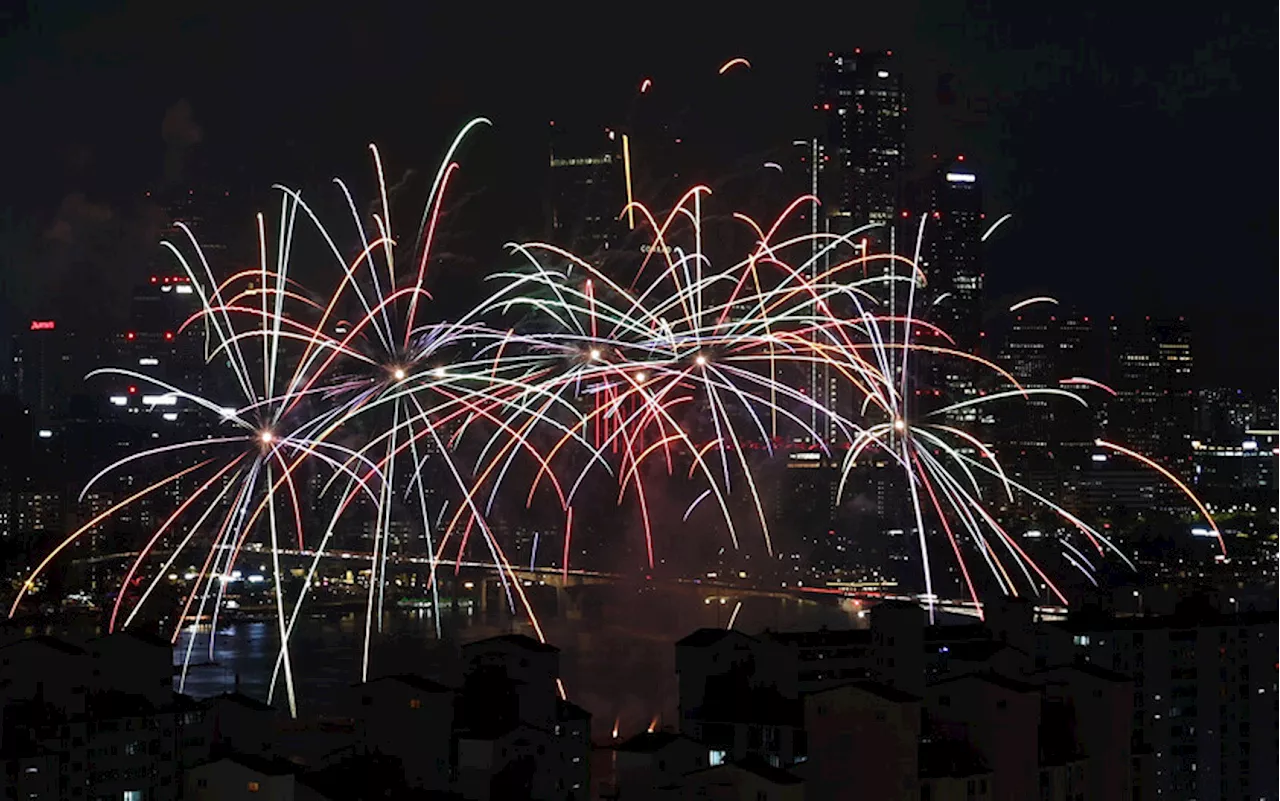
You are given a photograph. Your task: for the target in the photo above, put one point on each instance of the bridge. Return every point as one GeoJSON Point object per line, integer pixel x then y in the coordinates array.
{"type": "Point", "coordinates": [561, 579]}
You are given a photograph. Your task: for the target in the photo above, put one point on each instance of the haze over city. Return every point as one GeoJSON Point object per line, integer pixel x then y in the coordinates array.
{"type": "Point", "coordinates": [446, 402]}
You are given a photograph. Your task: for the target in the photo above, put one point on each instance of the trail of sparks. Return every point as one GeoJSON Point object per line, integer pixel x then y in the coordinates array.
{"type": "Point", "coordinates": [684, 371]}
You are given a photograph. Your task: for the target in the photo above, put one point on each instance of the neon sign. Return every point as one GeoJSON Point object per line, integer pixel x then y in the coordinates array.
{"type": "Point", "coordinates": [43, 325]}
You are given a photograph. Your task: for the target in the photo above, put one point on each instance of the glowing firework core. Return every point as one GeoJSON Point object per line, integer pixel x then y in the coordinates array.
{"type": "Point", "coordinates": [899, 424]}
{"type": "Point", "coordinates": [701, 360]}
{"type": "Point", "coordinates": [266, 437]}
{"type": "Point", "coordinates": [398, 373]}
{"type": "Point", "coordinates": [595, 354]}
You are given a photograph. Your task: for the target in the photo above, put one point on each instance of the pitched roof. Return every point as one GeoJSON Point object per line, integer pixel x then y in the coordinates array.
{"type": "Point", "coordinates": [704, 637]}
{"type": "Point", "coordinates": [648, 742]}
{"type": "Point", "coordinates": [1089, 669]}
{"type": "Point", "coordinates": [1087, 623]}
{"type": "Point", "coordinates": [567, 710]}
{"type": "Point", "coordinates": [51, 642]}
{"type": "Point", "coordinates": [519, 640]}
{"type": "Point", "coordinates": [242, 700]}
{"type": "Point", "coordinates": [977, 650]}
{"type": "Point", "coordinates": [489, 730]}
{"type": "Point", "coordinates": [1013, 685]}
{"type": "Point", "coordinates": [822, 637]}
{"type": "Point", "coordinates": [956, 632]}
{"type": "Point", "coordinates": [259, 764]}
{"type": "Point", "coordinates": [413, 680]}
{"type": "Point", "coordinates": [890, 694]}
{"type": "Point", "coordinates": [149, 638]}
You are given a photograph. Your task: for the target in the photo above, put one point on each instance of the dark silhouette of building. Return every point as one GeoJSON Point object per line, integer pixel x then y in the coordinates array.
{"type": "Point", "coordinates": [951, 252]}
{"type": "Point", "coordinates": [588, 189]}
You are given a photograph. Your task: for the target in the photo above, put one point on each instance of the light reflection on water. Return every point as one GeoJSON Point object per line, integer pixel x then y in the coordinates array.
{"type": "Point", "coordinates": [617, 647]}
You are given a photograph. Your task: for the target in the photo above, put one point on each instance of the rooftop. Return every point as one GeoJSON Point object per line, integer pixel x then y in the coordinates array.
{"type": "Point", "coordinates": [1004, 682]}
{"type": "Point", "coordinates": [518, 640]}
{"type": "Point", "coordinates": [415, 681]}
{"type": "Point", "coordinates": [976, 650]}
{"type": "Point", "coordinates": [62, 646]}
{"type": "Point", "coordinates": [149, 638]}
{"type": "Point", "coordinates": [241, 699]}
{"type": "Point", "coordinates": [821, 638]}
{"type": "Point", "coordinates": [890, 694]}
{"type": "Point", "coordinates": [704, 637]}
{"type": "Point", "coordinates": [567, 710]}
{"type": "Point", "coordinates": [259, 764]}
{"type": "Point", "coordinates": [1090, 669]}
{"type": "Point", "coordinates": [649, 742]}
{"type": "Point", "coordinates": [1092, 623]}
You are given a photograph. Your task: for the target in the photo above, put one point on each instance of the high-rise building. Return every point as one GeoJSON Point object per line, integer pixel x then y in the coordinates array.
{"type": "Point", "coordinates": [1154, 410]}
{"type": "Point", "coordinates": [1224, 415]}
{"type": "Point", "coordinates": [953, 288]}
{"type": "Point", "coordinates": [951, 253]}
{"type": "Point", "coordinates": [1204, 712]}
{"type": "Point", "coordinates": [1234, 450]}
{"type": "Point", "coordinates": [46, 368]}
{"type": "Point", "coordinates": [860, 147]}
{"type": "Point", "coordinates": [588, 189]}
{"type": "Point", "coordinates": [1043, 349]}
{"type": "Point", "coordinates": [1028, 353]}
{"type": "Point", "coordinates": [210, 214]}
{"type": "Point", "coordinates": [856, 161]}
{"type": "Point", "coordinates": [157, 344]}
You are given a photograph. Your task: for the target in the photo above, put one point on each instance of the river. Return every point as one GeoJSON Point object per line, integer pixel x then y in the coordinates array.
{"type": "Point", "coordinates": [617, 646]}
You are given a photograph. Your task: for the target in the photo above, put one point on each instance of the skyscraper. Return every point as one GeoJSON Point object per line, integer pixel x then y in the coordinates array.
{"type": "Point", "coordinates": [156, 343]}
{"type": "Point", "coordinates": [856, 162]}
{"type": "Point", "coordinates": [1154, 410]}
{"type": "Point", "coordinates": [1028, 354]}
{"type": "Point", "coordinates": [1049, 439]}
{"type": "Point", "coordinates": [951, 254]}
{"type": "Point", "coordinates": [951, 259]}
{"type": "Point", "coordinates": [588, 189]}
{"type": "Point", "coordinates": [45, 370]}
{"type": "Point", "coordinates": [861, 139]}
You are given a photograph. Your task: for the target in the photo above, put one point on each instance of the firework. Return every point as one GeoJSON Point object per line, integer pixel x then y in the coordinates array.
{"type": "Point", "coordinates": [673, 368]}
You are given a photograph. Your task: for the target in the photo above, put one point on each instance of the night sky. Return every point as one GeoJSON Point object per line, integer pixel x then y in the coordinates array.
{"type": "Point", "coordinates": [1134, 142]}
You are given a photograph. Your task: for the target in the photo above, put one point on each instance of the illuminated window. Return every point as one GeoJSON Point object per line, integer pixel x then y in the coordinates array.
{"type": "Point", "coordinates": [415, 703]}
{"type": "Point", "coordinates": [254, 787]}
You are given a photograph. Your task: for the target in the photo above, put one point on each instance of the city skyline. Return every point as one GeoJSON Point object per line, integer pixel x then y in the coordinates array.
{"type": "Point", "coordinates": [962, 97]}
{"type": "Point", "coordinates": [460, 403]}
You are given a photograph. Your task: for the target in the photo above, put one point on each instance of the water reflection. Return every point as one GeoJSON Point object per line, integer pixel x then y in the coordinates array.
{"type": "Point", "coordinates": [617, 645]}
